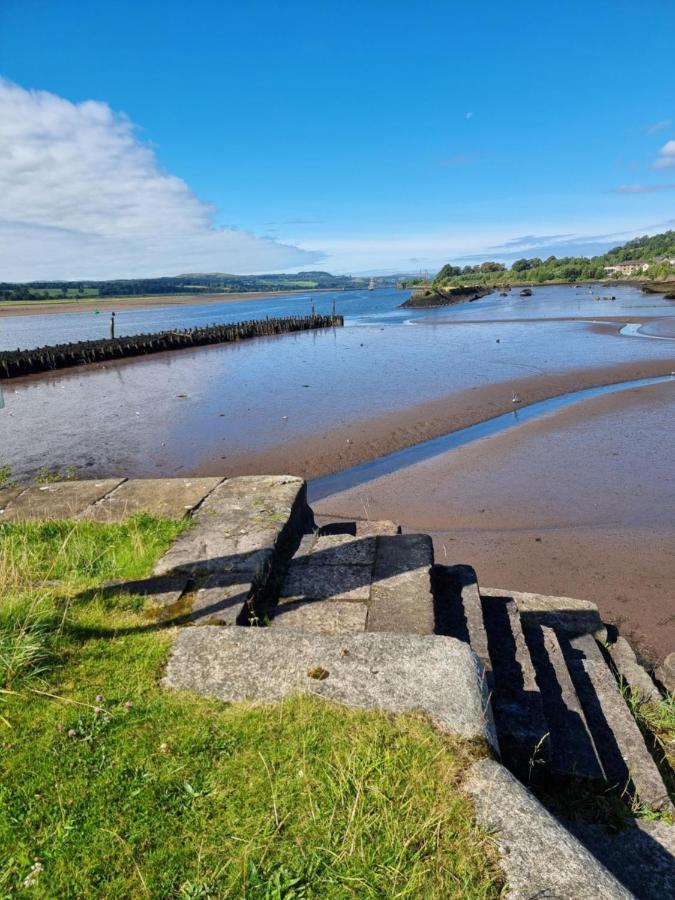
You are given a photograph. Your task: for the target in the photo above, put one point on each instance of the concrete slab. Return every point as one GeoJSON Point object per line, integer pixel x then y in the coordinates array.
{"type": "Point", "coordinates": [306, 582]}
{"type": "Point", "coordinates": [58, 500]}
{"type": "Point", "coordinates": [430, 674]}
{"type": "Point", "coordinates": [401, 599]}
{"type": "Point", "coordinates": [173, 497]}
{"type": "Point", "coordinates": [240, 526]}
{"type": "Point", "coordinates": [540, 857]}
{"type": "Point", "coordinates": [336, 617]}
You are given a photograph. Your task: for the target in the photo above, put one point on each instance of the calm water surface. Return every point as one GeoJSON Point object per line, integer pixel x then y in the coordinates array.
{"type": "Point", "coordinates": [165, 414]}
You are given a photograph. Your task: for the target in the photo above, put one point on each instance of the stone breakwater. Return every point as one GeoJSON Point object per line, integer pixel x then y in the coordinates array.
{"type": "Point", "coordinates": [14, 363]}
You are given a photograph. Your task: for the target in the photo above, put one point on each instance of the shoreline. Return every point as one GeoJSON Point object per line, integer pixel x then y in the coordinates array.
{"type": "Point", "coordinates": [45, 307]}
{"type": "Point", "coordinates": [361, 441]}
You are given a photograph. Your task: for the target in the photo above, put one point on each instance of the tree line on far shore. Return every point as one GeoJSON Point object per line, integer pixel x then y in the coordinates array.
{"type": "Point", "coordinates": [568, 268]}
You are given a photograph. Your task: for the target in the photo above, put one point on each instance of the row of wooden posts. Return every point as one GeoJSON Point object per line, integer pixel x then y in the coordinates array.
{"type": "Point", "coordinates": [14, 363]}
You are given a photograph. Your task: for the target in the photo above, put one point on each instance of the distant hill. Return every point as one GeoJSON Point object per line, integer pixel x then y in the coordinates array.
{"type": "Point", "coordinates": [188, 283]}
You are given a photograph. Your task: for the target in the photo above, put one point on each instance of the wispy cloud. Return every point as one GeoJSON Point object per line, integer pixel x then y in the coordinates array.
{"type": "Point", "coordinates": [659, 126]}
{"type": "Point", "coordinates": [83, 197]}
{"type": "Point", "coordinates": [666, 157]}
{"type": "Point", "coordinates": [642, 188]}
{"type": "Point", "coordinates": [468, 115]}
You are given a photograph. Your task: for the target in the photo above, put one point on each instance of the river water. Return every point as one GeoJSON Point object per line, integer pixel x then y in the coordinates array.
{"type": "Point", "coordinates": [171, 413]}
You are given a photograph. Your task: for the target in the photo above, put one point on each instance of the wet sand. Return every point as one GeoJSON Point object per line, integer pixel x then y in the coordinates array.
{"type": "Point", "coordinates": [42, 307]}
{"type": "Point", "coordinates": [580, 503]}
{"type": "Point", "coordinates": [356, 442]}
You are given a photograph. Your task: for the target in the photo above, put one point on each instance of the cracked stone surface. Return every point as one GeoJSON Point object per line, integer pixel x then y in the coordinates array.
{"type": "Point", "coordinates": [174, 497]}
{"type": "Point", "coordinates": [59, 500]}
{"type": "Point", "coordinates": [438, 676]}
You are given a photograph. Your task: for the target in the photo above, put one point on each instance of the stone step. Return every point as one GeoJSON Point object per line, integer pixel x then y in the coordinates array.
{"type": "Point", "coordinates": [621, 747]}
{"type": "Point", "coordinates": [572, 750]}
{"type": "Point", "coordinates": [350, 577]}
{"type": "Point", "coordinates": [238, 547]}
{"type": "Point", "coordinates": [431, 674]}
{"type": "Point", "coordinates": [401, 599]}
{"type": "Point", "coordinates": [517, 702]}
{"type": "Point", "coordinates": [459, 611]}
{"type": "Point", "coordinates": [566, 615]}
{"type": "Point", "coordinates": [631, 673]}
{"type": "Point", "coordinates": [539, 856]}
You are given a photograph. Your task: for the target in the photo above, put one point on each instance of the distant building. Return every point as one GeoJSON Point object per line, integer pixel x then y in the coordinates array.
{"type": "Point", "coordinates": [630, 267]}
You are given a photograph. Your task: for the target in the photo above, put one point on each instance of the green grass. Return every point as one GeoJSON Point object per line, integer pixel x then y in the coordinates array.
{"type": "Point", "coordinates": [657, 723]}
{"type": "Point", "coordinates": [112, 787]}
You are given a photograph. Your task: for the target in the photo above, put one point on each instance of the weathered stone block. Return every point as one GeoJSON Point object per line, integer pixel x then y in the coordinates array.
{"type": "Point", "coordinates": [401, 597]}
{"type": "Point", "coordinates": [430, 674]}
{"type": "Point", "coordinates": [336, 617]}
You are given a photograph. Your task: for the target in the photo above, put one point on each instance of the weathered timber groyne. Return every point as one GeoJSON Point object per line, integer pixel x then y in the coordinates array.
{"type": "Point", "coordinates": [14, 363]}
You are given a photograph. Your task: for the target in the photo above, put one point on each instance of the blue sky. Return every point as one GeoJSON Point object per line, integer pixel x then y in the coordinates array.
{"type": "Point", "coordinates": [367, 136]}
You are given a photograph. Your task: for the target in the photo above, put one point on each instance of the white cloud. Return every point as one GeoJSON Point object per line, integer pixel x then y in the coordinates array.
{"type": "Point", "coordinates": [666, 158]}
{"type": "Point", "coordinates": [82, 197]}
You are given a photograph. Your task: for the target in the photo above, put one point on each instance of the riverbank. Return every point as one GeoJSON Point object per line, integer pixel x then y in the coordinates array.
{"type": "Point", "coordinates": [42, 307]}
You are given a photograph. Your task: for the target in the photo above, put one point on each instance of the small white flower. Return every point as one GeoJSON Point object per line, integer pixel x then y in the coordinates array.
{"type": "Point", "coordinates": [32, 878]}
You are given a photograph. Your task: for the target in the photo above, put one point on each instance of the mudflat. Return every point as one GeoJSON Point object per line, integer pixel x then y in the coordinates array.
{"type": "Point", "coordinates": [579, 503]}
{"type": "Point", "coordinates": [43, 307]}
